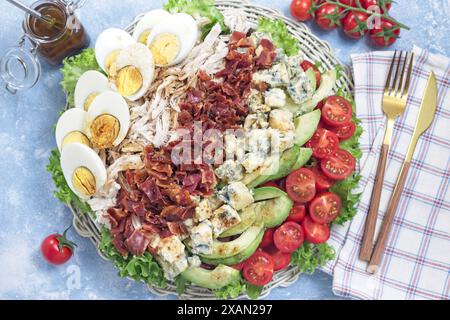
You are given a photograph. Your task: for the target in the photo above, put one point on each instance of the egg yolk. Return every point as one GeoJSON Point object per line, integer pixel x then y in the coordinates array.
{"type": "Point", "coordinates": [104, 130]}
{"type": "Point", "coordinates": [89, 100]}
{"type": "Point", "coordinates": [75, 136]}
{"type": "Point", "coordinates": [84, 181]}
{"type": "Point", "coordinates": [165, 48]}
{"type": "Point", "coordinates": [111, 60]}
{"type": "Point", "coordinates": [144, 37]}
{"type": "Point", "coordinates": [128, 81]}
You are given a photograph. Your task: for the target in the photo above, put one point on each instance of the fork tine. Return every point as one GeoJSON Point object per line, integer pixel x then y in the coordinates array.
{"type": "Point", "coordinates": [400, 87]}
{"type": "Point", "coordinates": [408, 78]}
{"type": "Point", "coordinates": [394, 85]}
{"type": "Point", "coordinates": [388, 79]}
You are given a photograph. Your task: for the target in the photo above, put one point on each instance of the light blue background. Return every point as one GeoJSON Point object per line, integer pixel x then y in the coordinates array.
{"type": "Point", "coordinates": [28, 212]}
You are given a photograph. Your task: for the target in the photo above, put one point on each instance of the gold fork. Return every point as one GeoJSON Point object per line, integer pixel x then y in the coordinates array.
{"type": "Point", "coordinates": [394, 103]}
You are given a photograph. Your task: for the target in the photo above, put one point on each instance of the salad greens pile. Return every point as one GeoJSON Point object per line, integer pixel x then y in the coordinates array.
{"type": "Point", "coordinates": [280, 35]}
{"type": "Point", "coordinates": [203, 8]}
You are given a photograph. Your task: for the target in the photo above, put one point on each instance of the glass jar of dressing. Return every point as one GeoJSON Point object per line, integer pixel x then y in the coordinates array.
{"type": "Point", "coordinates": [52, 42]}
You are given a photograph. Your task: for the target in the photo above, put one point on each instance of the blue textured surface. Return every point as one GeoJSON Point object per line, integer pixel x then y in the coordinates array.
{"type": "Point", "coordinates": [28, 212]}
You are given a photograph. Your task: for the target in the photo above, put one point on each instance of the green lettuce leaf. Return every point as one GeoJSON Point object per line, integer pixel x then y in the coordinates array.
{"type": "Point", "coordinates": [280, 35]}
{"type": "Point", "coordinates": [73, 68]}
{"type": "Point", "coordinates": [140, 268]}
{"type": "Point", "coordinates": [204, 8]}
{"type": "Point", "coordinates": [63, 192]}
{"type": "Point", "coordinates": [231, 291]}
{"type": "Point", "coordinates": [311, 256]}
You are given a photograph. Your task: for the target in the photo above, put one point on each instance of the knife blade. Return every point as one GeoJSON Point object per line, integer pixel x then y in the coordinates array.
{"type": "Point", "coordinates": [426, 115]}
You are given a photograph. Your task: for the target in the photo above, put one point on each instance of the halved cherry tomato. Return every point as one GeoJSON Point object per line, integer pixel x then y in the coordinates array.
{"type": "Point", "coordinates": [239, 266]}
{"type": "Point", "coordinates": [258, 269]}
{"type": "Point", "coordinates": [320, 105]}
{"type": "Point", "coordinates": [325, 207]}
{"type": "Point", "coordinates": [267, 239]}
{"type": "Point", "coordinates": [338, 166]}
{"type": "Point", "coordinates": [322, 181]}
{"type": "Point", "coordinates": [288, 237]}
{"type": "Point", "coordinates": [315, 232]}
{"type": "Point", "coordinates": [307, 65]}
{"type": "Point", "coordinates": [281, 260]}
{"type": "Point", "coordinates": [337, 111]}
{"type": "Point", "coordinates": [297, 213]}
{"type": "Point", "coordinates": [346, 131]}
{"type": "Point", "coordinates": [323, 143]}
{"type": "Point", "coordinates": [300, 185]}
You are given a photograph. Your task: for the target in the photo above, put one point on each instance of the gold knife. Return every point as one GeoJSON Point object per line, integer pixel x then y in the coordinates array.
{"type": "Point", "coordinates": [427, 111]}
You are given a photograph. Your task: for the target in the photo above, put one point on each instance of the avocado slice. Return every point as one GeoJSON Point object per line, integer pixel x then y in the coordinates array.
{"type": "Point", "coordinates": [287, 160]}
{"type": "Point", "coordinates": [243, 255]}
{"type": "Point", "coordinates": [218, 278]}
{"type": "Point", "coordinates": [305, 126]}
{"type": "Point", "coordinates": [273, 212]}
{"type": "Point", "coordinates": [266, 193]}
{"type": "Point", "coordinates": [248, 218]}
{"type": "Point", "coordinates": [303, 158]}
{"type": "Point", "coordinates": [222, 250]}
{"type": "Point", "coordinates": [326, 87]}
{"type": "Point", "coordinates": [312, 78]}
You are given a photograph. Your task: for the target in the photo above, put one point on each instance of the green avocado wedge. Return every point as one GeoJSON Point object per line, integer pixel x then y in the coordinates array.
{"type": "Point", "coordinates": [303, 158]}
{"type": "Point", "coordinates": [274, 212]}
{"type": "Point", "coordinates": [248, 218]}
{"type": "Point", "coordinates": [326, 87]}
{"type": "Point", "coordinates": [267, 193]}
{"type": "Point", "coordinates": [215, 279]}
{"type": "Point", "coordinates": [305, 126]}
{"type": "Point", "coordinates": [312, 78]}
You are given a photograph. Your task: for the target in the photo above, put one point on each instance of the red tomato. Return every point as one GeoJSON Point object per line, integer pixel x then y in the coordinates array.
{"type": "Point", "coordinates": [258, 269]}
{"type": "Point", "coordinates": [288, 237]}
{"type": "Point", "coordinates": [56, 249]}
{"type": "Point", "coordinates": [369, 3]}
{"type": "Point", "coordinates": [327, 16]}
{"type": "Point", "coordinates": [345, 132]}
{"type": "Point", "coordinates": [307, 65]}
{"type": "Point", "coordinates": [351, 3]}
{"type": "Point", "coordinates": [320, 105]}
{"type": "Point", "coordinates": [386, 34]}
{"type": "Point", "coordinates": [267, 239]}
{"type": "Point", "coordinates": [301, 9]}
{"type": "Point", "coordinates": [315, 232]}
{"type": "Point", "coordinates": [354, 24]}
{"type": "Point", "coordinates": [281, 260]}
{"type": "Point", "coordinates": [338, 166]}
{"type": "Point", "coordinates": [322, 181]}
{"type": "Point", "coordinates": [323, 143]}
{"type": "Point", "coordinates": [337, 111]}
{"type": "Point", "coordinates": [271, 184]}
{"type": "Point", "coordinates": [297, 213]}
{"type": "Point", "coordinates": [325, 207]}
{"type": "Point", "coordinates": [238, 266]}
{"type": "Point", "coordinates": [300, 185]}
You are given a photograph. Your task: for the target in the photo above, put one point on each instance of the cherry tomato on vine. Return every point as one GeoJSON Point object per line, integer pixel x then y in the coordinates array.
{"type": "Point", "coordinates": [369, 3]}
{"type": "Point", "coordinates": [56, 249]}
{"type": "Point", "coordinates": [386, 34]}
{"type": "Point", "coordinates": [301, 9]}
{"type": "Point", "coordinates": [328, 16]}
{"type": "Point", "coordinates": [354, 24]}
{"type": "Point", "coordinates": [351, 3]}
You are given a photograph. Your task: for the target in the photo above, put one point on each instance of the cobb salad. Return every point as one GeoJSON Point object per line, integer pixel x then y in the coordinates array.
{"type": "Point", "coordinates": [209, 150]}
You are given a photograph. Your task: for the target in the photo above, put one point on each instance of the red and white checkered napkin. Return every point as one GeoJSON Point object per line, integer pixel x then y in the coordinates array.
{"type": "Point", "coordinates": [416, 264]}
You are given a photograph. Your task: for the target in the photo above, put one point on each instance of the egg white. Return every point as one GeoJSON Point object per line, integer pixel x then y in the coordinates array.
{"type": "Point", "coordinates": [71, 120]}
{"type": "Point", "coordinates": [89, 82]}
{"type": "Point", "coordinates": [184, 27]}
{"type": "Point", "coordinates": [139, 56]}
{"type": "Point", "coordinates": [108, 41]}
{"type": "Point", "coordinates": [77, 155]}
{"type": "Point", "coordinates": [114, 104]}
{"type": "Point", "coordinates": [149, 21]}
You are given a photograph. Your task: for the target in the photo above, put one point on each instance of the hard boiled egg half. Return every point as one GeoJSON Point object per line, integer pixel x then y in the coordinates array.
{"type": "Point", "coordinates": [71, 127]}
{"type": "Point", "coordinates": [83, 169]}
{"type": "Point", "coordinates": [133, 71]}
{"type": "Point", "coordinates": [147, 23]}
{"type": "Point", "coordinates": [89, 86]}
{"type": "Point", "coordinates": [108, 46]}
{"type": "Point", "coordinates": [173, 39]}
{"type": "Point", "coordinates": [108, 120]}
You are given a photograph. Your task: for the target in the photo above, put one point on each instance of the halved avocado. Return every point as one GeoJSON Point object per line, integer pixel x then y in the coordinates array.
{"type": "Point", "coordinates": [248, 218]}
{"type": "Point", "coordinates": [222, 250]}
{"type": "Point", "coordinates": [303, 157]}
{"type": "Point", "coordinates": [244, 255]}
{"type": "Point", "coordinates": [275, 211]}
{"type": "Point", "coordinates": [305, 126]}
{"type": "Point", "coordinates": [285, 164]}
{"type": "Point", "coordinates": [218, 278]}
{"type": "Point", "coordinates": [266, 193]}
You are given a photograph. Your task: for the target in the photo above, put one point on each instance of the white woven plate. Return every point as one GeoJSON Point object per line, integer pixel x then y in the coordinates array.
{"type": "Point", "coordinates": [315, 50]}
